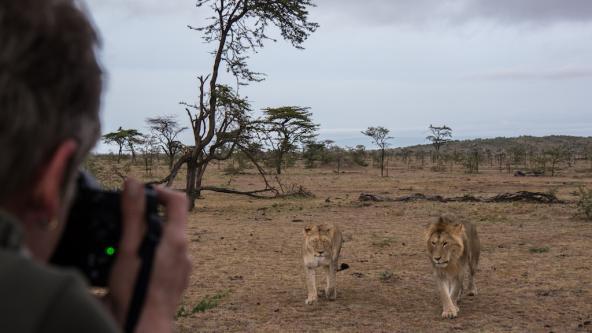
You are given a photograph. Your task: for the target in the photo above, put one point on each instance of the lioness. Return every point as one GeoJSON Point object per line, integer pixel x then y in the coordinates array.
{"type": "Point", "coordinates": [321, 247]}
{"type": "Point", "coordinates": [454, 249]}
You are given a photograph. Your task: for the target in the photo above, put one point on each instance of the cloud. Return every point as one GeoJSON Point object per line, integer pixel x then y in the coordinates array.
{"type": "Point", "coordinates": [531, 11]}
{"type": "Point", "coordinates": [407, 12]}
{"type": "Point", "coordinates": [564, 73]}
{"type": "Point", "coordinates": [143, 7]}
{"type": "Point", "coordinates": [417, 12]}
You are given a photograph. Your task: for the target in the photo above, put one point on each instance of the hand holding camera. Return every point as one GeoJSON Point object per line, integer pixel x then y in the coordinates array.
{"type": "Point", "coordinates": [171, 266]}
{"type": "Point", "coordinates": [119, 240]}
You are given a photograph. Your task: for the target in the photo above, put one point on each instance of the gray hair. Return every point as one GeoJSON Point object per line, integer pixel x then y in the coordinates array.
{"type": "Point", "coordinates": [50, 87]}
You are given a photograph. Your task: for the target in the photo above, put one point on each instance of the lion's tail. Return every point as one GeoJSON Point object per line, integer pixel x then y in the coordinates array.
{"type": "Point", "coordinates": [342, 267]}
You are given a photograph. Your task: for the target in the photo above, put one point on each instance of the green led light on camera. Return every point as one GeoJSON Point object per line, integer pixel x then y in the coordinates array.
{"type": "Point", "coordinates": [110, 250]}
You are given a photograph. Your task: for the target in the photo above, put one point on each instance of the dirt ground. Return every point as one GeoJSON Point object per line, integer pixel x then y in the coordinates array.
{"type": "Point", "coordinates": [534, 276]}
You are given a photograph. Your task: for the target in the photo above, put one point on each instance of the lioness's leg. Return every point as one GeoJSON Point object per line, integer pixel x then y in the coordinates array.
{"type": "Point", "coordinates": [449, 310]}
{"type": "Point", "coordinates": [331, 291]}
{"type": "Point", "coordinates": [456, 289]}
{"type": "Point", "coordinates": [311, 286]}
{"type": "Point", "coordinates": [472, 289]}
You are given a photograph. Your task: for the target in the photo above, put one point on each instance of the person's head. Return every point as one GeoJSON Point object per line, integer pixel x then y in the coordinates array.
{"type": "Point", "coordinates": [50, 87]}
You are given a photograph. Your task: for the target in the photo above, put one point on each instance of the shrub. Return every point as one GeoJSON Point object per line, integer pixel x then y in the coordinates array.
{"type": "Point", "coordinates": [205, 304]}
{"type": "Point", "coordinates": [539, 249]}
{"type": "Point", "coordinates": [386, 276]}
{"type": "Point", "coordinates": [584, 204]}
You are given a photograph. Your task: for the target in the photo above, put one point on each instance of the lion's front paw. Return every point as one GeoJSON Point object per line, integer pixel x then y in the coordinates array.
{"type": "Point", "coordinates": [450, 313]}
{"type": "Point", "coordinates": [310, 300]}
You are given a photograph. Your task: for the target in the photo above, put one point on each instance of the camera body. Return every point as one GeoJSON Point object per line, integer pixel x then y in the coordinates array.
{"type": "Point", "coordinates": [92, 235]}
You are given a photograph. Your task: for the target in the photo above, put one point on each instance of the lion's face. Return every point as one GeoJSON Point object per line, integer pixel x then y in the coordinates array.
{"type": "Point", "coordinates": [445, 245]}
{"type": "Point", "coordinates": [318, 240]}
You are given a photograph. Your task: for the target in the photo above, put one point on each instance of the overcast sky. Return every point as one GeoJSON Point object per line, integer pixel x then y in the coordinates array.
{"type": "Point", "coordinates": [485, 68]}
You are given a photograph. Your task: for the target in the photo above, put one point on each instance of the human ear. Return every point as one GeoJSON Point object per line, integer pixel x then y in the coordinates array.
{"type": "Point", "coordinates": [47, 189]}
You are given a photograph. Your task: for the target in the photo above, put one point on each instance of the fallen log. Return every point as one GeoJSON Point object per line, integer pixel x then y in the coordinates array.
{"type": "Point", "coordinates": [526, 196]}
{"type": "Point", "coordinates": [253, 194]}
{"type": "Point", "coordinates": [373, 197]}
{"type": "Point", "coordinates": [521, 196]}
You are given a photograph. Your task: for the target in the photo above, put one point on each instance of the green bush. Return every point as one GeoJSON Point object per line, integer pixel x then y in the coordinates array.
{"type": "Point", "coordinates": [539, 249]}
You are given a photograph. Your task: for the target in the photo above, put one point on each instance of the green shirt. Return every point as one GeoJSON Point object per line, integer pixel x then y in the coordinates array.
{"type": "Point", "coordinates": [39, 298]}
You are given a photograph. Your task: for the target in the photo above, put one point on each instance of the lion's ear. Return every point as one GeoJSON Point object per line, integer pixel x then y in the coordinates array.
{"type": "Point", "coordinates": [429, 230]}
{"type": "Point", "coordinates": [458, 228]}
{"type": "Point", "coordinates": [307, 229]}
{"type": "Point", "coordinates": [325, 228]}
{"type": "Point", "coordinates": [445, 219]}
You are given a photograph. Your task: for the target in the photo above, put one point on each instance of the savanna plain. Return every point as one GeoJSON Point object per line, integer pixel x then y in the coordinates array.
{"type": "Point", "coordinates": [534, 275]}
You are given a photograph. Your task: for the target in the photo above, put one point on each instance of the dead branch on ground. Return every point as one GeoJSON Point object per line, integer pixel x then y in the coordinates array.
{"type": "Point", "coordinates": [521, 196]}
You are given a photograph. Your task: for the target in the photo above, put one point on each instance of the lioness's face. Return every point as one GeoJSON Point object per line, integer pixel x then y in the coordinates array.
{"type": "Point", "coordinates": [318, 239]}
{"type": "Point", "coordinates": [443, 248]}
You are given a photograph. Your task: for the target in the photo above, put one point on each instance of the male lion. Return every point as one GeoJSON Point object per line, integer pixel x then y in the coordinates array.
{"type": "Point", "coordinates": [454, 249]}
{"type": "Point", "coordinates": [321, 247]}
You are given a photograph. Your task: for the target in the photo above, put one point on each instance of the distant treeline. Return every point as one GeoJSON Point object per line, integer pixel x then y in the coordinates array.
{"type": "Point", "coordinates": [575, 143]}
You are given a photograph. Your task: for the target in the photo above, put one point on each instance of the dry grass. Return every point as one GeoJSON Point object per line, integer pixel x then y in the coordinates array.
{"type": "Point", "coordinates": [251, 249]}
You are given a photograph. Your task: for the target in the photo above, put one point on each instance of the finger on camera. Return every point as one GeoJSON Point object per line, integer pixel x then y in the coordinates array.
{"type": "Point", "coordinates": [176, 209]}
{"type": "Point", "coordinates": [133, 208]}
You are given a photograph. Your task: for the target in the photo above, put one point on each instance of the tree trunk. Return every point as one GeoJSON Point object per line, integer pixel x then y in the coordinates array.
{"type": "Point", "coordinates": [382, 162]}
{"type": "Point", "coordinates": [190, 184]}
{"type": "Point", "coordinates": [199, 179]}
{"type": "Point", "coordinates": [278, 163]}
{"type": "Point", "coordinates": [171, 161]}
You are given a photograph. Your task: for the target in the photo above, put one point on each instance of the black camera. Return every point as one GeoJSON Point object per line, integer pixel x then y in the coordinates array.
{"type": "Point", "coordinates": [93, 231]}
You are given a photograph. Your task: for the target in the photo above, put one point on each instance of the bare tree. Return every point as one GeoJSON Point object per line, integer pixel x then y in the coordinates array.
{"type": "Point", "coordinates": [229, 128]}
{"type": "Point", "coordinates": [166, 129]}
{"type": "Point", "coordinates": [149, 148]}
{"type": "Point", "coordinates": [237, 28]}
{"type": "Point", "coordinates": [380, 137]}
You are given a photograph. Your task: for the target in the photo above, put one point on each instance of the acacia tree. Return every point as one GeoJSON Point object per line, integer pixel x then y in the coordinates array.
{"type": "Point", "coordinates": [237, 28]}
{"type": "Point", "coordinates": [127, 138]}
{"type": "Point", "coordinates": [284, 129]}
{"type": "Point", "coordinates": [359, 155]}
{"type": "Point", "coordinates": [440, 135]}
{"type": "Point", "coordinates": [313, 151]}
{"type": "Point", "coordinates": [380, 137]}
{"type": "Point", "coordinates": [555, 155]}
{"type": "Point", "coordinates": [166, 129]}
